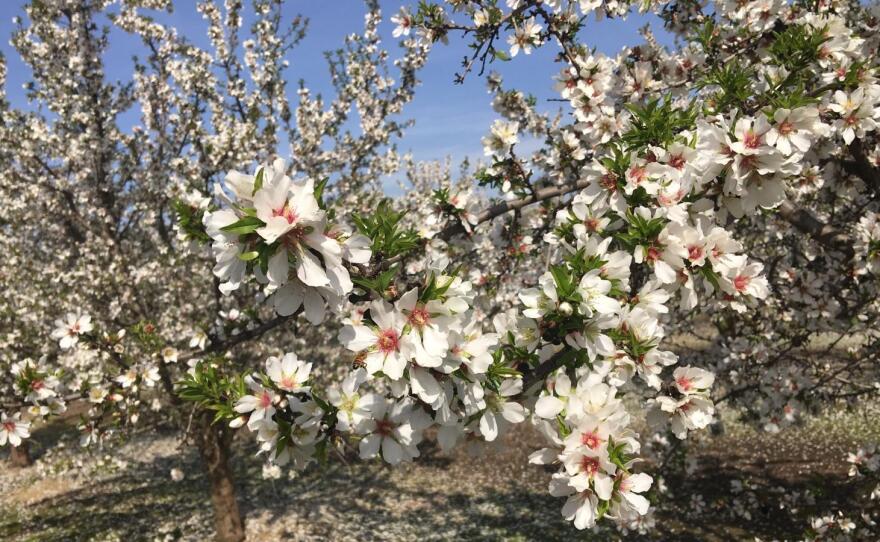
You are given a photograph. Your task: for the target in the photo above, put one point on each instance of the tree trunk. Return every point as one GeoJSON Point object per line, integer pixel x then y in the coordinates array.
{"type": "Point", "coordinates": [20, 456]}
{"type": "Point", "coordinates": [214, 445]}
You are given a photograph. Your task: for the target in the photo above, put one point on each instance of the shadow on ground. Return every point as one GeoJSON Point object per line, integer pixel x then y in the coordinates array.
{"type": "Point", "coordinates": [494, 497]}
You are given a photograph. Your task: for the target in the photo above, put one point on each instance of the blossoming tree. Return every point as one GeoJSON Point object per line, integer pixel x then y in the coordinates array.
{"type": "Point", "coordinates": [730, 181]}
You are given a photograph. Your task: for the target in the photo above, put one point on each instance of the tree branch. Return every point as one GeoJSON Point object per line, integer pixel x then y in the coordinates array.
{"type": "Point", "coordinates": [507, 206]}
{"type": "Point", "coordinates": [235, 340]}
{"type": "Point", "coordinates": [826, 235]}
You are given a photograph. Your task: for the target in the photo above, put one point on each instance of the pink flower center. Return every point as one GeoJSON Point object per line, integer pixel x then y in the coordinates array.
{"type": "Point", "coordinates": [288, 382]}
{"type": "Point", "coordinates": [384, 427]}
{"type": "Point", "coordinates": [591, 440]}
{"type": "Point", "coordinates": [609, 181]}
{"type": "Point", "coordinates": [653, 254]}
{"type": "Point", "coordinates": [637, 174]}
{"type": "Point", "coordinates": [590, 465]}
{"type": "Point", "coordinates": [741, 282]}
{"type": "Point", "coordinates": [695, 252]}
{"type": "Point", "coordinates": [752, 140]}
{"type": "Point", "coordinates": [265, 400]}
{"type": "Point", "coordinates": [677, 161]}
{"type": "Point", "coordinates": [9, 427]}
{"type": "Point", "coordinates": [388, 341]}
{"type": "Point", "coordinates": [419, 317]}
{"type": "Point", "coordinates": [287, 212]}
{"type": "Point", "coordinates": [684, 383]}
{"type": "Point", "coordinates": [785, 128]}
{"type": "Point", "coordinates": [73, 330]}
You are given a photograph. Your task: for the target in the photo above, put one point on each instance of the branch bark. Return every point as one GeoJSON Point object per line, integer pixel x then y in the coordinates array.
{"type": "Point", "coordinates": [861, 166]}
{"type": "Point", "coordinates": [235, 340]}
{"type": "Point", "coordinates": [542, 371]}
{"type": "Point", "coordinates": [214, 445]}
{"type": "Point", "coordinates": [826, 235]}
{"type": "Point", "coordinates": [507, 206]}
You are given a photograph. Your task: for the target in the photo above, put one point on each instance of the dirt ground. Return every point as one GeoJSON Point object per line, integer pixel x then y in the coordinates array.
{"type": "Point", "coordinates": [740, 485]}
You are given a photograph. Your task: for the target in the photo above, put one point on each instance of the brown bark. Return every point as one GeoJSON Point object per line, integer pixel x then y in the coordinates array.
{"type": "Point", "coordinates": [214, 445]}
{"type": "Point", "coordinates": [20, 456]}
{"type": "Point", "coordinates": [826, 235]}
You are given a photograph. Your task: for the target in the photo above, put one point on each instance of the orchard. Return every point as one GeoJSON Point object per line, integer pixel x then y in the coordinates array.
{"type": "Point", "coordinates": [684, 239]}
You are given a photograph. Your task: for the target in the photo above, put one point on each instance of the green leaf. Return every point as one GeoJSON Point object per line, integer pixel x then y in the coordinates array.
{"type": "Point", "coordinates": [246, 225]}
{"type": "Point", "coordinates": [258, 180]}
{"type": "Point", "coordinates": [389, 238]}
{"type": "Point", "coordinates": [319, 192]}
{"type": "Point", "coordinates": [189, 219]}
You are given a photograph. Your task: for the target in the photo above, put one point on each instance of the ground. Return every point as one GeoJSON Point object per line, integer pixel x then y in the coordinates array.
{"type": "Point", "coordinates": [737, 485]}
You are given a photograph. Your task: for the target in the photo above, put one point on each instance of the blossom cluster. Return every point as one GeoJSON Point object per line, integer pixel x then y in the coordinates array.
{"type": "Point", "coordinates": [273, 229]}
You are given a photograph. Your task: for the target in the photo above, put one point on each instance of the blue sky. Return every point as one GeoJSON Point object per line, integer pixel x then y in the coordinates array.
{"type": "Point", "coordinates": [449, 119]}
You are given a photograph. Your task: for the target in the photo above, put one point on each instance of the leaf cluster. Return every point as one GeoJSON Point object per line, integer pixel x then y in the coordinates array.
{"type": "Point", "coordinates": [211, 389]}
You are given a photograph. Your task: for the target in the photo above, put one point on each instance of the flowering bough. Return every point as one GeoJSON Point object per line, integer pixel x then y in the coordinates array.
{"type": "Point", "coordinates": [730, 181]}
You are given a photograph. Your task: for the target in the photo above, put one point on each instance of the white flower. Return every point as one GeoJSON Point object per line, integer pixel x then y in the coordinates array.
{"type": "Point", "coordinates": [128, 378]}
{"type": "Point", "coordinates": [590, 469]}
{"type": "Point", "coordinates": [593, 289]}
{"type": "Point", "coordinates": [581, 507]}
{"type": "Point", "coordinates": [150, 375]}
{"type": "Point", "coordinates": [481, 17]}
{"type": "Point", "coordinates": [395, 428]}
{"type": "Point", "coordinates": [198, 340]}
{"type": "Point", "coordinates": [857, 114]}
{"type": "Point", "coordinates": [629, 488]}
{"type": "Point", "coordinates": [499, 411]}
{"type": "Point", "coordinates": [471, 347]}
{"type": "Point", "coordinates": [503, 136]}
{"type": "Point", "coordinates": [353, 408]}
{"type": "Point", "coordinates": [68, 329]}
{"type": "Point", "coordinates": [292, 216]}
{"type": "Point", "coordinates": [260, 403]}
{"type": "Point", "coordinates": [541, 300]}
{"type": "Point", "coordinates": [688, 413]}
{"type": "Point", "coordinates": [428, 336]}
{"type": "Point", "coordinates": [13, 430]}
{"type": "Point", "coordinates": [592, 339]}
{"type": "Point", "coordinates": [230, 268]}
{"type": "Point", "coordinates": [525, 37]}
{"type": "Point", "coordinates": [384, 344]}
{"type": "Point", "coordinates": [97, 394]}
{"type": "Point", "coordinates": [746, 280]}
{"type": "Point", "coordinates": [793, 130]}
{"type": "Point", "coordinates": [288, 373]}
{"type": "Point", "coordinates": [403, 20]}
{"type": "Point", "coordinates": [169, 354]}
{"type": "Point", "coordinates": [550, 405]}
{"type": "Point", "coordinates": [690, 380]}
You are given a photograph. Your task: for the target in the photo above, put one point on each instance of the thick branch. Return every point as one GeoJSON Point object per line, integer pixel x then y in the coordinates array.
{"type": "Point", "coordinates": [861, 167]}
{"type": "Point", "coordinates": [826, 235]}
{"type": "Point", "coordinates": [542, 371]}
